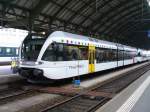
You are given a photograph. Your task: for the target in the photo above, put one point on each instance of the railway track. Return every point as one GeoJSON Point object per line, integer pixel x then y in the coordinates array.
{"type": "Point", "coordinates": [16, 96]}
{"type": "Point", "coordinates": [93, 98]}
{"type": "Point", "coordinates": [16, 90]}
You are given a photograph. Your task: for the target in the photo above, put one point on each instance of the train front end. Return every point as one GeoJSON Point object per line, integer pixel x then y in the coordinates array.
{"type": "Point", "coordinates": [29, 66]}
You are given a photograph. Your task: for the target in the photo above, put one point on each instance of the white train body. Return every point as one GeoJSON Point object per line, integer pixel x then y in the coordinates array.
{"type": "Point", "coordinates": [64, 55]}
{"type": "Point", "coordinates": [10, 41]}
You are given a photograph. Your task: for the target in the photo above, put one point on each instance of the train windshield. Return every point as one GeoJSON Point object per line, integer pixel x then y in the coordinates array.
{"type": "Point", "coordinates": [31, 47]}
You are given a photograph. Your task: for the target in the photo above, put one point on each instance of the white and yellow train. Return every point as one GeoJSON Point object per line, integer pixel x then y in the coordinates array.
{"type": "Point", "coordinates": [64, 55]}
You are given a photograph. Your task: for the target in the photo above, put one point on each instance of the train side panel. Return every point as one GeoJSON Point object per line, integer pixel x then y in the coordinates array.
{"type": "Point", "coordinates": [105, 66]}
{"type": "Point", "coordinates": [66, 69]}
{"type": "Point", "coordinates": [129, 61]}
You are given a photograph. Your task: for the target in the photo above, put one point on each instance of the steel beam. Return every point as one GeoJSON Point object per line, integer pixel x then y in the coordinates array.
{"type": "Point", "coordinates": [132, 6]}
{"type": "Point", "coordinates": [80, 10]}
{"type": "Point", "coordinates": [102, 16]}
{"type": "Point", "coordinates": [62, 8]}
{"type": "Point", "coordinates": [38, 8]}
{"type": "Point", "coordinates": [122, 23]}
{"type": "Point", "coordinates": [94, 11]}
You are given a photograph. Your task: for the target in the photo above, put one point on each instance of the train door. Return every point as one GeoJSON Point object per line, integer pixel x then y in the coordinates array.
{"type": "Point", "coordinates": [91, 58]}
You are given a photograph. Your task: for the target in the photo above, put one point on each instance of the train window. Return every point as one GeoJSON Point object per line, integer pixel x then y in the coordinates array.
{"type": "Point", "coordinates": [76, 52]}
{"type": "Point", "coordinates": [83, 53]}
{"type": "Point", "coordinates": [17, 51]}
{"type": "Point", "coordinates": [139, 54]}
{"type": "Point", "coordinates": [5, 51]}
{"type": "Point", "coordinates": [0, 50]}
{"type": "Point", "coordinates": [29, 48]}
{"type": "Point", "coordinates": [126, 55]}
{"type": "Point", "coordinates": [129, 54]}
{"type": "Point", "coordinates": [105, 55]}
{"type": "Point", "coordinates": [120, 55]}
{"type": "Point", "coordinates": [99, 55]}
{"type": "Point", "coordinates": [60, 47]}
{"type": "Point", "coordinates": [74, 55]}
{"type": "Point", "coordinates": [8, 50]}
{"type": "Point", "coordinates": [71, 53]}
{"type": "Point", "coordinates": [50, 54]}
{"type": "Point", "coordinates": [113, 55]}
{"type": "Point", "coordinates": [65, 52]}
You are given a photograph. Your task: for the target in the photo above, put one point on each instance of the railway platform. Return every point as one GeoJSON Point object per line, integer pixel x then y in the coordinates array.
{"type": "Point", "coordinates": [5, 70]}
{"type": "Point", "coordinates": [135, 98]}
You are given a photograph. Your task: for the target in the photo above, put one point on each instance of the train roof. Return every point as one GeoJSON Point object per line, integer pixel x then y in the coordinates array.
{"type": "Point", "coordinates": [9, 45]}
{"type": "Point", "coordinates": [65, 37]}
{"type": "Point", "coordinates": [81, 40]}
{"type": "Point", "coordinates": [128, 48]}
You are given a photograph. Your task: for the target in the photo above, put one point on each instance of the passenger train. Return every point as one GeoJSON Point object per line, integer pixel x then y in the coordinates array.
{"type": "Point", "coordinates": [7, 54]}
{"type": "Point", "coordinates": [64, 55]}
{"type": "Point", "coordinates": [10, 40]}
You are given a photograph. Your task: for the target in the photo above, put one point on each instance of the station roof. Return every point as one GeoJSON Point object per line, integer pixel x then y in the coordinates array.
{"type": "Point", "coordinates": [116, 20]}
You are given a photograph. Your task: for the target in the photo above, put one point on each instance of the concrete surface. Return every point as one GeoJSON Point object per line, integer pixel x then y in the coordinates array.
{"type": "Point", "coordinates": [143, 104]}
{"type": "Point", "coordinates": [127, 99]}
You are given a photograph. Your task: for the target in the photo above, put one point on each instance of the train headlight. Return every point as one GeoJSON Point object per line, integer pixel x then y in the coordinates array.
{"type": "Point", "coordinates": [38, 63]}
{"type": "Point", "coordinates": [20, 62]}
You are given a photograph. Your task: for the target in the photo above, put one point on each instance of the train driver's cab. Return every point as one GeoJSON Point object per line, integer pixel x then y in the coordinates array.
{"type": "Point", "coordinates": [31, 47]}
